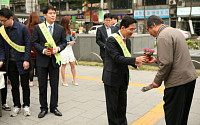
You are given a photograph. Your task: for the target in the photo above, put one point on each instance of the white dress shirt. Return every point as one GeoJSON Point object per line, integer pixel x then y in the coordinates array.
{"type": "Point", "coordinates": [50, 25]}
{"type": "Point", "coordinates": [108, 30]}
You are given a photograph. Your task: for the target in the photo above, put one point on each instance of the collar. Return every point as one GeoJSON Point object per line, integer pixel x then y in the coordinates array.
{"type": "Point", "coordinates": [107, 27]}
{"type": "Point", "coordinates": [121, 35]}
{"type": "Point", "coordinates": [49, 24]}
{"type": "Point", "coordinates": [14, 25]}
{"type": "Point", "coordinates": [115, 24]}
{"type": "Point", "coordinates": [160, 29]}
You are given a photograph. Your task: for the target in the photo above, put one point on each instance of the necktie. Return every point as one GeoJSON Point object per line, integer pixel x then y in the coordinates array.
{"type": "Point", "coordinates": [124, 41]}
{"type": "Point", "coordinates": [50, 30]}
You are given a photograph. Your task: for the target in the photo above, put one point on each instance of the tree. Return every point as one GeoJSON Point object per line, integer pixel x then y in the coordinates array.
{"type": "Point", "coordinates": [45, 2]}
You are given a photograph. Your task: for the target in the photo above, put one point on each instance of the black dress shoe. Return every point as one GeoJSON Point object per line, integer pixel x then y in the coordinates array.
{"type": "Point", "coordinates": [56, 112]}
{"type": "Point", "coordinates": [42, 114]}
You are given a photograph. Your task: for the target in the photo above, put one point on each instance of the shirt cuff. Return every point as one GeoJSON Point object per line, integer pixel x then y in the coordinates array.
{"type": "Point", "coordinates": [43, 51]}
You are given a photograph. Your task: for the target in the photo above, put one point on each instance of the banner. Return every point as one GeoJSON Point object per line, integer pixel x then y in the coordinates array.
{"type": "Point", "coordinates": [73, 18]}
{"type": "Point", "coordinates": [5, 2]}
{"type": "Point", "coordinates": [100, 16]}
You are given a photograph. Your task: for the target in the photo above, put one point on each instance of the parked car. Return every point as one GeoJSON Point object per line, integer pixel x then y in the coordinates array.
{"type": "Point", "coordinates": [186, 34]}
{"type": "Point", "coordinates": [93, 29]}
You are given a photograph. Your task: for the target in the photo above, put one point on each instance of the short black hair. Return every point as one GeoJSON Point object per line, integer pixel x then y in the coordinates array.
{"type": "Point", "coordinates": [115, 17]}
{"type": "Point", "coordinates": [126, 21]}
{"type": "Point", "coordinates": [107, 15]}
{"type": "Point", "coordinates": [45, 11]}
{"type": "Point", "coordinates": [154, 19]}
{"type": "Point", "coordinates": [7, 13]}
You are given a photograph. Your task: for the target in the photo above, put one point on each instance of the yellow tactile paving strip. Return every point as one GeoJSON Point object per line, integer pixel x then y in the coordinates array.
{"type": "Point", "coordinates": [151, 117]}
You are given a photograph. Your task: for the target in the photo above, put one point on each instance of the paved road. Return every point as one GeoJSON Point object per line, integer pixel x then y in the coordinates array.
{"type": "Point", "coordinates": [85, 104]}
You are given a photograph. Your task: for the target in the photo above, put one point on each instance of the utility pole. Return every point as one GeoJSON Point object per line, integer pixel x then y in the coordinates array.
{"type": "Point", "coordinates": [190, 9]}
{"type": "Point", "coordinates": [91, 2]}
{"type": "Point", "coordinates": [109, 5]}
{"type": "Point", "coordinates": [177, 24]}
{"type": "Point", "coordinates": [133, 7]}
{"type": "Point", "coordinates": [144, 26]}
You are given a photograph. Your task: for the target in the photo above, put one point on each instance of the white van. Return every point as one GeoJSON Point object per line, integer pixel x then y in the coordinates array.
{"type": "Point", "coordinates": [93, 29]}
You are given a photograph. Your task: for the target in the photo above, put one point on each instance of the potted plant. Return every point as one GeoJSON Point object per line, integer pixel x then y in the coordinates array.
{"type": "Point", "coordinates": [148, 52]}
{"type": "Point", "coordinates": [49, 46]}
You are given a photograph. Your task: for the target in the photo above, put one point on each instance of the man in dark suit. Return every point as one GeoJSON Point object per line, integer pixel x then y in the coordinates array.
{"type": "Point", "coordinates": [116, 73]}
{"type": "Point", "coordinates": [114, 22]}
{"type": "Point", "coordinates": [46, 61]}
{"type": "Point", "coordinates": [15, 53]}
{"type": "Point", "coordinates": [102, 34]}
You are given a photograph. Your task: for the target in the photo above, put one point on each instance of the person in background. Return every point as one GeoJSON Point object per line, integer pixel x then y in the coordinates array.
{"type": "Point", "coordinates": [103, 33]}
{"type": "Point", "coordinates": [16, 58]}
{"type": "Point", "coordinates": [67, 54]}
{"type": "Point", "coordinates": [176, 70]}
{"type": "Point", "coordinates": [33, 20]}
{"type": "Point", "coordinates": [114, 22]}
{"type": "Point", "coordinates": [5, 106]}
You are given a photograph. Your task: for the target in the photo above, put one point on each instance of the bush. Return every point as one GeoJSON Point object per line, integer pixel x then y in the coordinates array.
{"type": "Point", "coordinates": [193, 44]}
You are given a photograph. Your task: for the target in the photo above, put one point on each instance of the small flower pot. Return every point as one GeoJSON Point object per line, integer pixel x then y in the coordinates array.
{"type": "Point", "coordinates": [51, 50]}
{"type": "Point", "coordinates": [149, 56]}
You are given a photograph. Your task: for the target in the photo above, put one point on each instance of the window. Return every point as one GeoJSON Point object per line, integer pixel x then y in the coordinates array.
{"type": "Point", "coordinates": [121, 4]}
{"type": "Point", "coordinates": [154, 2]}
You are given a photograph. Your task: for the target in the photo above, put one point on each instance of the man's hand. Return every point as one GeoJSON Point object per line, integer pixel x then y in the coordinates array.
{"type": "Point", "coordinates": [138, 64]}
{"type": "Point", "coordinates": [1, 64]}
{"type": "Point", "coordinates": [55, 50]}
{"type": "Point", "coordinates": [26, 65]}
{"type": "Point", "coordinates": [151, 60]}
{"type": "Point", "coordinates": [154, 85]}
{"type": "Point", "coordinates": [72, 43]}
{"type": "Point", "coordinates": [47, 52]}
{"type": "Point", "coordinates": [140, 60]}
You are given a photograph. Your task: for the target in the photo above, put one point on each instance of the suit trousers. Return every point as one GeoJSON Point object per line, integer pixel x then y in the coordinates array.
{"type": "Point", "coordinates": [13, 75]}
{"type": "Point", "coordinates": [177, 103]}
{"type": "Point", "coordinates": [4, 90]}
{"type": "Point", "coordinates": [116, 102]}
{"type": "Point", "coordinates": [42, 73]}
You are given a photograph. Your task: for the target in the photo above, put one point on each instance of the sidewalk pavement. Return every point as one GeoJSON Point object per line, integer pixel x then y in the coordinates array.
{"type": "Point", "coordinates": [85, 104]}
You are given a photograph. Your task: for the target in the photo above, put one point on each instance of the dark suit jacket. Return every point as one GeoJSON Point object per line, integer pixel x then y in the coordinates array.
{"type": "Point", "coordinates": [21, 36]}
{"type": "Point", "coordinates": [101, 37]}
{"type": "Point", "coordinates": [116, 65]}
{"type": "Point", "coordinates": [39, 40]}
{"type": "Point", "coordinates": [117, 26]}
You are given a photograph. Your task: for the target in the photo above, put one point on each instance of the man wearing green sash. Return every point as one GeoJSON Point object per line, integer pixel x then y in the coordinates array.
{"type": "Point", "coordinates": [47, 62]}
{"type": "Point", "coordinates": [15, 51]}
{"type": "Point", "coordinates": [116, 74]}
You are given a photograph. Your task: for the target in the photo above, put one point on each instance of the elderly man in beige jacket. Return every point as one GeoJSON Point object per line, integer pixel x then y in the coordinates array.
{"type": "Point", "coordinates": [175, 69]}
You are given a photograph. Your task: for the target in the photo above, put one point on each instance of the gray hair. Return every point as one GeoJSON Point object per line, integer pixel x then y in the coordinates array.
{"type": "Point", "coordinates": [153, 19]}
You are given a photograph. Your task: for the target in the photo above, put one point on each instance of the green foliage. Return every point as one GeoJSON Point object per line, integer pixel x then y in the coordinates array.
{"type": "Point", "coordinates": [43, 2]}
{"type": "Point", "coordinates": [193, 44]}
{"type": "Point", "coordinates": [195, 34]}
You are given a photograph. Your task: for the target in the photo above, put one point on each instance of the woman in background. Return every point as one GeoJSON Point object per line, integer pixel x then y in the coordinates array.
{"type": "Point", "coordinates": [33, 20]}
{"type": "Point", "coordinates": [67, 54]}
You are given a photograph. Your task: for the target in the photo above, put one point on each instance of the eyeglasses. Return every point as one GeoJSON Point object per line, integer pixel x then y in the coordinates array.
{"type": "Point", "coordinates": [107, 20]}
{"type": "Point", "coordinates": [3, 21]}
{"type": "Point", "coordinates": [131, 29]}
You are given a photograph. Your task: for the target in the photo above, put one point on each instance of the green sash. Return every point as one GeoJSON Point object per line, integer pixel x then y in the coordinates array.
{"type": "Point", "coordinates": [50, 39]}
{"type": "Point", "coordinates": [12, 44]}
{"type": "Point", "coordinates": [122, 45]}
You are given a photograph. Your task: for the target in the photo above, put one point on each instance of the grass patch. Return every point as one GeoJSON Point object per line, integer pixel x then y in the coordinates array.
{"type": "Point", "coordinates": [143, 67]}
